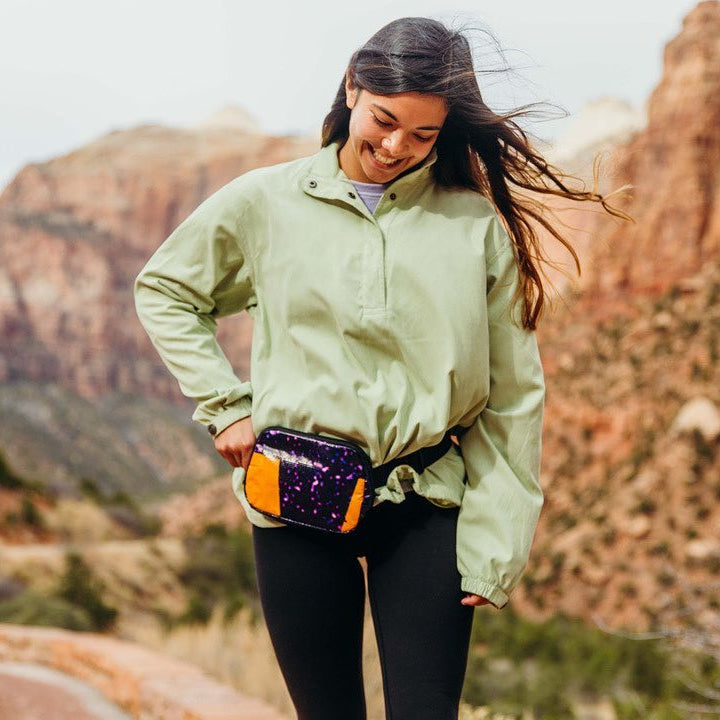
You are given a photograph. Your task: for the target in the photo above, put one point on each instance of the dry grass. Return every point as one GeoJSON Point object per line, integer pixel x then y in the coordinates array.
{"type": "Point", "coordinates": [80, 521]}
{"type": "Point", "coordinates": [239, 652]}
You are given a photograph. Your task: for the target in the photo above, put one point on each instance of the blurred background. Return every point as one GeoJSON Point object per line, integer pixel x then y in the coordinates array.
{"type": "Point", "coordinates": [116, 514]}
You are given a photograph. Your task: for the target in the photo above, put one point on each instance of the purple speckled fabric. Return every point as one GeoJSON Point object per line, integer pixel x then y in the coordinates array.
{"type": "Point", "coordinates": [317, 476]}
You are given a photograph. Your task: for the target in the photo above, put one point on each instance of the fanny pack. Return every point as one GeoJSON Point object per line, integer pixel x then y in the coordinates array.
{"type": "Point", "coordinates": [318, 482]}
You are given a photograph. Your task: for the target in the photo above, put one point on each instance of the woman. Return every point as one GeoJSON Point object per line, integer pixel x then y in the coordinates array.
{"type": "Point", "coordinates": [394, 283]}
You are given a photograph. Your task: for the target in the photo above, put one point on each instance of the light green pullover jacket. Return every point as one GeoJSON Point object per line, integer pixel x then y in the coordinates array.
{"type": "Point", "coordinates": [385, 329]}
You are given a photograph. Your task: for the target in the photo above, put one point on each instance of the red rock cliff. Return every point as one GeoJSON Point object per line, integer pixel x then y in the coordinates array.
{"type": "Point", "coordinates": [75, 231]}
{"type": "Point", "coordinates": [674, 166]}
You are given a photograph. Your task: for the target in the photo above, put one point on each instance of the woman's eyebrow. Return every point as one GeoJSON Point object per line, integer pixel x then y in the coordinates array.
{"type": "Point", "coordinates": [387, 112]}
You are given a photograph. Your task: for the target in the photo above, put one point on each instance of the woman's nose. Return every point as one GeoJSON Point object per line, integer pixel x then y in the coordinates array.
{"type": "Point", "coordinates": [393, 142]}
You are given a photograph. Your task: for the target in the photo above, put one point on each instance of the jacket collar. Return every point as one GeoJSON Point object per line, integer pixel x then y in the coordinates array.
{"type": "Point", "coordinates": [326, 179]}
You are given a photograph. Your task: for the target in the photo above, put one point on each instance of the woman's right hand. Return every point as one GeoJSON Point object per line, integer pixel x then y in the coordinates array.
{"type": "Point", "coordinates": [236, 441]}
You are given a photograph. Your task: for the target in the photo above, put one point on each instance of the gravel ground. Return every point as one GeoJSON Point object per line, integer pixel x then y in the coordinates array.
{"type": "Point", "coordinates": [34, 692]}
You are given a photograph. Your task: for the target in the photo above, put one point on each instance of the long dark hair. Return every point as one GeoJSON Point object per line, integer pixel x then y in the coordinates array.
{"type": "Point", "coordinates": [476, 148]}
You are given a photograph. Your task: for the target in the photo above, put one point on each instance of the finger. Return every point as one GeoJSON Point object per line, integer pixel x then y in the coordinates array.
{"type": "Point", "coordinates": [247, 457]}
{"type": "Point", "coordinates": [474, 600]}
{"type": "Point", "coordinates": [230, 457]}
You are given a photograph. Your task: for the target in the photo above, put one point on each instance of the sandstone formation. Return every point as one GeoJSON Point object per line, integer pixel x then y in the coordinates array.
{"type": "Point", "coordinates": [633, 369]}
{"type": "Point", "coordinates": [143, 683]}
{"type": "Point", "coordinates": [699, 414]}
{"type": "Point", "coordinates": [75, 231]}
{"type": "Point", "coordinates": [674, 167]}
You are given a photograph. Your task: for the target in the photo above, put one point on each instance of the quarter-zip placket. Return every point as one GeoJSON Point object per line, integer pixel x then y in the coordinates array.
{"type": "Point", "coordinates": [330, 183]}
{"type": "Point", "coordinates": [373, 290]}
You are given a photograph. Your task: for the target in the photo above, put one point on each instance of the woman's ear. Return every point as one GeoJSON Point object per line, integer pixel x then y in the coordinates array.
{"type": "Point", "coordinates": [351, 91]}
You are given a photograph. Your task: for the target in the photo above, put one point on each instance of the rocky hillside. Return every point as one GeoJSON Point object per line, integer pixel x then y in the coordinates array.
{"type": "Point", "coordinates": [74, 469]}
{"type": "Point", "coordinates": [75, 231]}
{"type": "Point", "coordinates": [88, 409]}
{"type": "Point", "coordinates": [631, 459]}
{"type": "Point", "coordinates": [632, 443]}
{"type": "Point", "coordinates": [674, 166]}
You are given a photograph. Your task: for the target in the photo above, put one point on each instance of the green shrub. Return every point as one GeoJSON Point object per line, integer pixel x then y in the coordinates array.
{"type": "Point", "coordinates": [29, 513]}
{"type": "Point", "coordinates": [645, 506]}
{"type": "Point", "coordinates": [8, 479]}
{"type": "Point", "coordinates": [545, 665]}
{"type": "Point", "coordinates": [29, 608]}
{"type": "Point", "coordinates": [220, 570]}
{"type": "Point", "coordinates": [81, 589]}
{"type": "Point", "coordinates": [122, 508]}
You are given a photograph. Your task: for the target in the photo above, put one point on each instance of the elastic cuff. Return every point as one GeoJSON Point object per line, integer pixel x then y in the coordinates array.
{"type": "Point", "coordinates": [237, 411]}
{"type": "Point", "coordinates": [484, 589]}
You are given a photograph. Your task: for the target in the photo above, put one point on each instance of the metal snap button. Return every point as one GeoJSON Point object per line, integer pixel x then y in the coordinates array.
{"type": "Point", "coordinates": [312, 184]}
{"type": "Point", "coordinates": [393, 196]}
{"type": "Point", "coordinates": [352, 195]}
{"type": "Point", "coordinates": [212, 430]}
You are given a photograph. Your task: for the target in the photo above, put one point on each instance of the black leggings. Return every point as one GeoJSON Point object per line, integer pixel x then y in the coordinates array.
{"type": "Point", "coordinates": [312, 592]}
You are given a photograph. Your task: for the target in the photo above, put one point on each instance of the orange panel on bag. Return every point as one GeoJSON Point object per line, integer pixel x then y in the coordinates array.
{"type": "Point", "coordinates": [353, 512]}
{"type": "Point", "coordinates": [262, 485]}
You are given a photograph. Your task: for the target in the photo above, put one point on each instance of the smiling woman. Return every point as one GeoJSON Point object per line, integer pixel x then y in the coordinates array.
{"type": "Point", "coordinates": [389, 134]}
{"type": "Point", "coordinates": [394, 281]}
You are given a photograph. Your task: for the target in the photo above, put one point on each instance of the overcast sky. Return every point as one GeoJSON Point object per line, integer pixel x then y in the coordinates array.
{"type": "Point", "coordinates": [72, 70]}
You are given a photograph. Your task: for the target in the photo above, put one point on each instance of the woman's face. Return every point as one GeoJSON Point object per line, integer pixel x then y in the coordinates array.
{"type": "Point", "coordinates": [389, 134]}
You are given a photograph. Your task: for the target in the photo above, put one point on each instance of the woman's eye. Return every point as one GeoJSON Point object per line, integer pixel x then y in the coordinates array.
{"type": "Point", "coordinates": [380, 122]}
{"type": "Point", "coordinates": [423, 139]}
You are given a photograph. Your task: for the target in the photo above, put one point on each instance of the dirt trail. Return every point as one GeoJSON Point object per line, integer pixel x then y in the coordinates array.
{"type": "Point", "coordinates": [34, 692]}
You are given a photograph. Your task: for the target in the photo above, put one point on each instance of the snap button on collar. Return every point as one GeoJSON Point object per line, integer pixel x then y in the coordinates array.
{"type": "Point", "coordinates": [352, 195]}
{"type": "Point", "coordinates": [312, 183]}
{"type": "Point", "coordinates": [393, 196]}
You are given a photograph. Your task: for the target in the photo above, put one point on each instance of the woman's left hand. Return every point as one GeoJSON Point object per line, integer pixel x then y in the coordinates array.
{"type": "Point", "coordinates": [475, 600]}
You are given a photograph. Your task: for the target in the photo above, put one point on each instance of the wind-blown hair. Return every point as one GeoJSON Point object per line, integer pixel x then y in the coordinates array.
{"type": "Point", "coordinates": [476, 148]}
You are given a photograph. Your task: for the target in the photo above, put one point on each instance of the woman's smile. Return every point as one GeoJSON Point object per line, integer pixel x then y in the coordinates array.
{"type": "Point", "coordinates": [389, 134]}
{"type": "Point", "coordinates": [384, 161]}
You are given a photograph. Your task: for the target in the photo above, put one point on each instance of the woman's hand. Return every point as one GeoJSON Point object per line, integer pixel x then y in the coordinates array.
{"type": "Point", "coordinates": [475, 600]}
{"type": "Point", "coordinates": [236, 441]}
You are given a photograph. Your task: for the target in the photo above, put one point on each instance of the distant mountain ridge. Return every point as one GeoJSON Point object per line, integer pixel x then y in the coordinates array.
{"type": "Point", "coordinates": [143, 447]}
{"type": "Point", "coordinates": [75, 231]}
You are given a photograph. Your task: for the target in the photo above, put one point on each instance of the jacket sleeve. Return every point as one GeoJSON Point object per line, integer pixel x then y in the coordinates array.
{"type": "Point", "coordinates": [201, 272]}
{"type": "Point", "coordinates": [502, 448]}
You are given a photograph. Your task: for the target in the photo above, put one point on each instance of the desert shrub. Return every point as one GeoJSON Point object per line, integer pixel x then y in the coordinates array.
{"type": "Point", "coordinates": [608, 536]}
{"type": "Point", "coordinates": [122, 508]}
{"type": "Point", "coordinates": [662, 548]}
{"type": "Point", "coordinates": [565, 520]}
{"type": "Point", "coordinates": [8, 479]}
{"type": "Point", "coordinates": [30, 608]}
{"type": "Point", "coordinates": [704, 450]}
{"type": "Point", "coordinates": [220, 570]}
{"type": "Point", "coordinates": [516, 664]}
{"type": "Point", "coordinates": [79, 587]}
{"type": "Point", "coordinates": [629, 589]}
{"type": "Point", "coordinates": [645, 506]}
{"type": "Point", "coordinates": [30, 514]}
{"type": "Point", "coordinates": [91, 490]}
